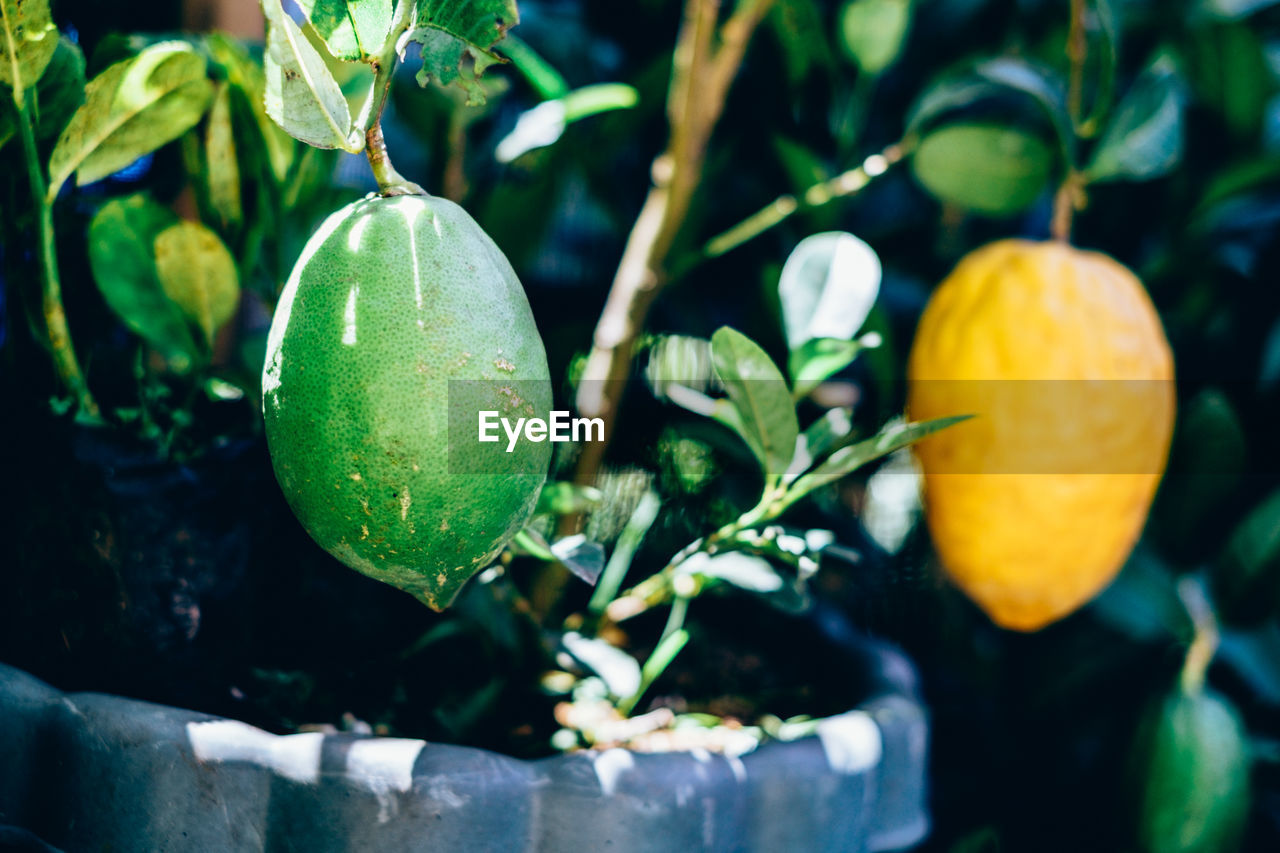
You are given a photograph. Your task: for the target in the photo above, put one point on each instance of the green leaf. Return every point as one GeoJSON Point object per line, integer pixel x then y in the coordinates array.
{"type": "Point", "coordinates": [1103, 53]}
{"type": "Point", "coordinates": [1231, 9]}
{"type": "Point", "coordinates": [352, 29]}
{"type": "Point", "coordinates": [301, 94]}
{"type": "Point", "coordinates": [198, 275]}
{"type": "Point", "coordinates": [827, 287]}
{"type": "Point", "coordinates": [1246, 578]}
{"type": "Point", "coordinates": [993, 170]}
{"type": "Point", "coordinates": [250, 84]}
{"type": "Point", "coordinates": [222, 167]}
{"type": "Point", "coordinates": [28, 39]}
{"type": "Point", "coordinates": [60, 91]}
{"type": "Point", "coordinates": [121, 239]}
{"type": "Point", "coordinates": [819, 359]}
{"type": "Point", "coordinates": [131, 109]}
{"type": "Point", "coordinates": [455, 34]}
{"type": "Point", "coordinates": [57, 95]}
{"type": "Point", "coordinates": [849, 459]}
{"type": "Point", "coordinates": [801, 30]}
{"type": "Point", "coordinates": [766, 416]}
{"type": "Point", "coordinates": [542, 75]}
{"type": "Point", "coordinates": [1144, 139]}
{"type": "Point", "coordinates": [873, 31]}
{"type": "Point", "coordinates": [820, 437]}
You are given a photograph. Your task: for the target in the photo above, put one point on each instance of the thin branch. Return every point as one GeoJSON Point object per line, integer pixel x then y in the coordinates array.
{"type": "Point", "coordinates": [1077, 51]}
{"type": "Point", "coordinates": [702, 72]}
{"type": "Point", "coordinates": [55, 315]}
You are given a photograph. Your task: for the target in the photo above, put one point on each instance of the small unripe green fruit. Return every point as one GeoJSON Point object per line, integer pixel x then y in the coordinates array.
{"type": "Point", "coordinates": [1190, 769]}
{"type": "Point", "coordinates": [400, 314]}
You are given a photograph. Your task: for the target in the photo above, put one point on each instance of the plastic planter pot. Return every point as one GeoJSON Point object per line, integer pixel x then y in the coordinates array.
{"type": "Point", "coordinates": [85, 771]}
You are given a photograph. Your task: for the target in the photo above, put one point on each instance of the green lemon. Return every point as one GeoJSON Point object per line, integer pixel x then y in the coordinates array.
{"type": "Point", "coordinates": [400, 322]}
{"type": "Point", "coordinates": [1190, 769]}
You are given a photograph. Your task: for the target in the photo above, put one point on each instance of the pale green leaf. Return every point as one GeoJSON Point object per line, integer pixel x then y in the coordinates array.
{"type": "Point", "coordinates": [301, 94]}
{"type": "Point", "coordinates": [848, 459]}
{"type": "Point", "coordinates": [28, 39]}
{"type": "Point", "coordinates": [827, 287]}
{"type": "Point", "coordinates": [221, 164]}
{"type": "Point", "coordinates": [765, 414]}
{"type": "Point", "coordinates": [198, 275]}
{"type": "Point", "coordinates": [351, 29]}
{"type": "Point", "coordinates": [821, 358]}
{"type": "Point", "coordinates": [131, 109]}
{"type": "Point", "coordinates": [873, 31]}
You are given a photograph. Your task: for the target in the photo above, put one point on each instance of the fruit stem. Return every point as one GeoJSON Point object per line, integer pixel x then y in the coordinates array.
{"type": "Point", "coordinates": [1204, 644]}
{"type": "Point", "coordinates": [390, 182]}
{"type": "Point", "coordinates": [1069, 199]}
{"type": "Point", "coordinates": [55, 315]}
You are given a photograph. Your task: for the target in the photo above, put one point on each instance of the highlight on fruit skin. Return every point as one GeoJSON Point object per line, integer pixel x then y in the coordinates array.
{"type": "Point", "coordinates": [1035, 503]}
{"type": "Point", "coordinates": [400, 318]}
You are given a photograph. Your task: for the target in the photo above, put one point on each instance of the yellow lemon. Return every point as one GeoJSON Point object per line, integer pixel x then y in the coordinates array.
{"type": "Point", "coordinates": [1036, 502]}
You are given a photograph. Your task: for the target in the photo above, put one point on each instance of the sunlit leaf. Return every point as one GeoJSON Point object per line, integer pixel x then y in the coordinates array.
{"type": "Point", "coordinates": [745, 571]}
{"type": "Point", "coordinates": [301, 94]}
{"type": "Point", "coordinates": [28, 39]}
{"type": "Point", "coordinates": [546, 123]}
{"type": "Point", "coordinates": [821, 358]}
{"type": "Point", "coordinates": [351, 29]}
{"type": "Point", "coordinates": [827, 287]}
{"type": "Point", "coordinates": [849, 459]}
{"type": "Point", "coordinates": [1144, 138]}
{"type": "Point", "coordinates": [993, 170]}
{"type": "Point", "coordinates": [618, 670]}
{"type": "Point", "coordinates": [131, 109]}
{"type": "Point", "coordinates": [766, 416]}
{"type": "Point", "coordinates": [198, 275]}
{"type": "Point", "coordinates": [819, 438]}
{"type": "Point", "coordinates": [456, 38]}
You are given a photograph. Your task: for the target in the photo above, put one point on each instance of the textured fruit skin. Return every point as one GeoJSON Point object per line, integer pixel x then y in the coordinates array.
{"type": "Point", "coordinates": [390, 300]}
{"type": "Point", "coordinates": [1036, 502]}
{"type": "Point", "coordinates": [1190, 767]}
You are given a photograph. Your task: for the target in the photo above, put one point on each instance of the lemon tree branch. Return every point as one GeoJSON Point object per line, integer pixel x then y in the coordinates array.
{"type": "Point", "coordinates": [703, 68]}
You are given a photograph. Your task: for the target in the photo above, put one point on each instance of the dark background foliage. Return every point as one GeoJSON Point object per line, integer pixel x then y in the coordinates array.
{"type": "Point", "coordinates": [186, 580]}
